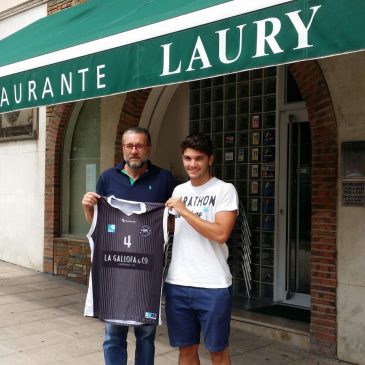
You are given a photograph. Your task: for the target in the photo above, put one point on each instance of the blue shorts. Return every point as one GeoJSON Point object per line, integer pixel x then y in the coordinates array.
{"type": "Point", "coordinates": [190, 311]}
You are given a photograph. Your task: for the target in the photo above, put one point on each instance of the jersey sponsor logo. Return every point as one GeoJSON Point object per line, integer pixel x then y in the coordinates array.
{"type": "Point", "coordinates": [127, 221]}
{"type": "Point", "coordinates": [111, 228]}
{"type": "Point", "coordinates": [121, 260]}
{"type": "Point", "coordinates": [150, 315]}
{"type": "Point", "coordinates": [145, 231]}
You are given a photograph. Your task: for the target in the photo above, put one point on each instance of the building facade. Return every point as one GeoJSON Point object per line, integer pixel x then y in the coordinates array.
{"type": "Point", "coordinates": [288, 137]}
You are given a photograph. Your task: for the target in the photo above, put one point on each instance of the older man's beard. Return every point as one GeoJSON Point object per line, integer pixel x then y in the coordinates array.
{"type": "Point", "coordinates": [136, 164]}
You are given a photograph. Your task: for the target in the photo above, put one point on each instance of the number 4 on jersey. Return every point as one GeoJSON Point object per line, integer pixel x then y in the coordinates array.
{"type": "Point", "coordinates": [127, 241]}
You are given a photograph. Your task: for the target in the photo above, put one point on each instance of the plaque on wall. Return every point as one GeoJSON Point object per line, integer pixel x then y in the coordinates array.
{"type": "Point", "coordinates": [353, 160]}
{"type": "Point", "coordinates": [353, 174]}
{"type": "Point", "coordinates": [353, 193]}
{"type": "Point", "coordinates": [19, 125]}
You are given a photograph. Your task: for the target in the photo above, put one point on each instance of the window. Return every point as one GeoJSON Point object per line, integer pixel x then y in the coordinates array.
{"type": "Point", "coordinates": [292, 92]}
{"type": "Point", "coordinates": [81, 165]}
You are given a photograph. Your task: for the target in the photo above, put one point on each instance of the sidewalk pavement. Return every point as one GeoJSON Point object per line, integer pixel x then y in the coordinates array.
{"type": "Point", "coordinates": [42, 323]}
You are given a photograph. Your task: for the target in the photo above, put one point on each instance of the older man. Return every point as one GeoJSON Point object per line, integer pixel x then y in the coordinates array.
{"type": "Point", "coordinates": [136, 179]}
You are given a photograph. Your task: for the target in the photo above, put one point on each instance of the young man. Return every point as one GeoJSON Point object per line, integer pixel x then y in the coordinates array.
{"type": "Point", "coordinates": [133, 179]}
{"type": "Point", "coordinates": [198, 295]}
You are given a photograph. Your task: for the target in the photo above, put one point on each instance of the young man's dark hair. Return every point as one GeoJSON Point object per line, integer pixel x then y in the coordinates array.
{"type": "Point", "coordinates": [199, 142]}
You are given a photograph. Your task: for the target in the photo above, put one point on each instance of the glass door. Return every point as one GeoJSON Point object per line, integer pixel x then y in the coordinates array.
{"type": "Point", "coordinates": [294, 210]}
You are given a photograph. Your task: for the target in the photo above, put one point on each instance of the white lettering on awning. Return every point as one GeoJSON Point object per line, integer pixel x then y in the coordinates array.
{"type": "Point", "coordinates": [270, 39]}
{"type": "Point", "coordinates": [49, 88]}
{"type": "Point", "coordinates": [99, 76]}
{"type": "Point", "coordinates": [66, 83]}
{"type": "Point", "coordinates": [267, 31]}
{"type": "Point", "coordinates": [4, 97]}
{"type": "Point", "coordinates": [301, 29]}
{"type": "Point", "coordinates": [18, 98]}
{"type": "Point", "coordinates": [31, 90]}
{"type": "Point", "coordinates": [166, 61]}
{"type": "Point", "coordinates": [199, 53]}
{"type": "Point", "coordinates": [223, 45]}
{"type": "Point", "coordinates": [83, 72]}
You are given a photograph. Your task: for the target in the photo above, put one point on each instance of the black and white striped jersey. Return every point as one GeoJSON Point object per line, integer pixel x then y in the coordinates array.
{"type": "Point", "coordinates": [127, 241]}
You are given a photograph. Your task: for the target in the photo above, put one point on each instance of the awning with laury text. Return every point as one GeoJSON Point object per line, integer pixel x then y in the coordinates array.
{"type": "Point", "coordinates": [104, 47]}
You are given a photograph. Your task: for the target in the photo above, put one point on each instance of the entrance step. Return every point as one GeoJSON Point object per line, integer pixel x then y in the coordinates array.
{"type": "Point", "coordinates": [275, 328]}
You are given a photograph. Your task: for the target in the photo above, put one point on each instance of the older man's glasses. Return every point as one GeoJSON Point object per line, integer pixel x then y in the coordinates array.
{"type": "Point", "coordinates": [139, 147]}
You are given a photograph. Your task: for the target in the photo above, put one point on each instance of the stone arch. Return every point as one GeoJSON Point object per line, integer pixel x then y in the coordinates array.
{"type": "Point", "coordinates": [313, 86]}
{"type": "Point", "coordinates": [129, 117]}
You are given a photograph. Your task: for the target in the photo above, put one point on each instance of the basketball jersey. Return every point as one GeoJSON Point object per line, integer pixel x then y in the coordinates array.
{"type": "Point", "coordinates": [127, 250]}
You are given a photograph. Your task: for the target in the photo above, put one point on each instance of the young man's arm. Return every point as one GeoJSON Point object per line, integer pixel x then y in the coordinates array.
{"type": "Point", "coordinates": [218, 231]}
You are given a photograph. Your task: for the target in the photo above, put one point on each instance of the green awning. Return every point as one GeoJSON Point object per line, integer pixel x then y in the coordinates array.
{"type": "Point", "coordinates": [106, 47]}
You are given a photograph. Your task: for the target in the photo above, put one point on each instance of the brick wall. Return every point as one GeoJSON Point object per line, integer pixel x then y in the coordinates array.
{"type": "Point", "coordinates": [57, 5]}
{"type": "Point", "coordinates": [57, 118]}
{"type": "Point", "coordinates": [72, 259]}
{"type": "Point", "coordinates": [323, 327]}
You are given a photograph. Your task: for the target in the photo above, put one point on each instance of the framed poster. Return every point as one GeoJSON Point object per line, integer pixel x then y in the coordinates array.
{"type": "Point", "coordinates": [229, 156]}
{"type": "Point", "coordinates": [254, 205]}
{"type": "Point", "coordinates": [254, 170]}
{"type": "Point", "coordinates": [268, 138]}
{"type": "Point", "coordinates": [268, 188]}
{"type": "Point", "coordinates": [19, 125]}
{"type": "Point", "coordinates": [255, 138]}
{"type": "Point", "coordinates": [229, 140]}
{"type": "Point", "coordinates": [241, 155]}
{"type": "Point", "coordinates": [254, 187]}
{"type": "Point", "coordinates": [268, 171]}
{"type": "Point", "coordinates": [268, 154]}
{"type": "Point", "coordinates": [254, 154]}
{"type": "Point", "coordinates": [255, 122]}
